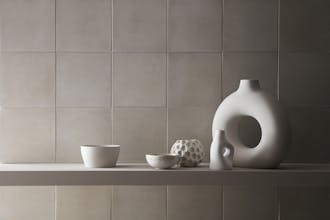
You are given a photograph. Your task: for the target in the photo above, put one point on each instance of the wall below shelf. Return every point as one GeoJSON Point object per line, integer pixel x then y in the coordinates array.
{"type": "Point", "coordinates": [142, 174]}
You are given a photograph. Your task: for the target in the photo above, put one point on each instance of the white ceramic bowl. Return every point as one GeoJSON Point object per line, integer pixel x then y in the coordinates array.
{"type": "Point", "coordinates": [100, 155]}
{"type": "Point", "coordinates": [162, 161]}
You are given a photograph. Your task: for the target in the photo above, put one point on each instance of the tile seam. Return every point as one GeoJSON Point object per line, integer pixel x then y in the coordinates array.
{"type": "Point", "coordinates": [222, 49]}
{"type": "Point", "coordinates": [278, 47]}
{"type": "Point", "coordinates": [111, 216]}
{"type": "Point", "coordinates": [55, 67]}
{"type": "Point", "coordinates": [166, 93]}
{"type": "Point", "coordinates": [55, 108]}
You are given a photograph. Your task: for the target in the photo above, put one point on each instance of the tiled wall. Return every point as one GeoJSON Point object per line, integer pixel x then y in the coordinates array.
{"type": "Point", "coordinates": [143, 73]}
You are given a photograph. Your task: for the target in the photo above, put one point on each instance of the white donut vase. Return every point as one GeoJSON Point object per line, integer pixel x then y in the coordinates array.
{"type": "Point", "coordinates": [251, 100]}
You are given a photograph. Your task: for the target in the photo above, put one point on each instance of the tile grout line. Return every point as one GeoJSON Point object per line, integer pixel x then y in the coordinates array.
{"type": "Point", "coordinates": [162, 52]}
{"type": "Point", "coordinates": [278, 48]}
{"type": "Point", "coordinates": [306, 107]}
{"type": "Point", "coordinates": [55, 204]}
{"type": "Point", "coordinates": [166, 202]}
{"type": "Point", "coordinates": [111, 101]}
{"type": "Point", "coordinates": [112, 70]}
{"type": "Point", "coordinates": [55, 84]}
{"type": "Point", "coordinates": [222, 49]}
{"type": "Point", "coordinates": [55, 108]}
{"type": "Point", "coordinates": [94, 107]}
{"type": "Point", "coordinates": [278, 203]}
{"type": "Point", "coordinates": [222, 203]}
{"type": "Point", "coordinates": [166, 71]}
{"type": "Point", "coordinates": [166, 93]}
{"type": "Point", "coordinates": [158, 52]}
{"type": "Point", "coordinates": [222, 24]}
{"type": "Point", "coordinates": [111, 203]}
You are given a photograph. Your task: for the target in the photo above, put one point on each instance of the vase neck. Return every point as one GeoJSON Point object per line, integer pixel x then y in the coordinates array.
{"type": "Point", "coordinates": [249, 84]}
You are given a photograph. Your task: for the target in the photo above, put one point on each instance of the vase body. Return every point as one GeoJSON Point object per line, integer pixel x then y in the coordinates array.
{"type": "Point", "coordinates": [221, 152]}
{"type": "Point", "coordinates": [191, 152]}
{"type": "Point", "coordinates": [251, 100]}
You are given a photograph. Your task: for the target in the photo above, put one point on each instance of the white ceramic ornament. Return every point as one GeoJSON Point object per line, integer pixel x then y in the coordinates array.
{"type": "Point", "coordinates": [100, 155]}
{"type": "Point", "coordinates": [191, 152]}
{"type": "Point", "coordinates": [251, 100]}
{"type": "Point", "coordinates": [162, 161]}
{"type": "Point", "coordinates": [221, 152]}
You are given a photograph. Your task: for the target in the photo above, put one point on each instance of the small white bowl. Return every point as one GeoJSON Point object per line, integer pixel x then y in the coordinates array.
{"type": "Point", "coordinates": [162, 161]}
{"type": "Point", "coordinates": [100, 155]}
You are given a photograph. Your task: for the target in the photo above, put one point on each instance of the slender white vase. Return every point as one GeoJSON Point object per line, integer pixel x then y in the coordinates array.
{"type": "Point", "coordinates": [251, 100]}
{"type": "Point", "coordinates": [221, 152]}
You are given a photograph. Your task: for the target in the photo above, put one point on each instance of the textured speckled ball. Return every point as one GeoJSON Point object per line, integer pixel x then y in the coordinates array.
{"type": "Point", "coordinates": [191, 151]}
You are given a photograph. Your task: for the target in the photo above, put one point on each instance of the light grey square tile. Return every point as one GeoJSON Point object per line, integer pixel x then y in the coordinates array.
{"type": "Point", "coordinates": [79, 126]}
{"type": "Point", "coordinates": [304, 203]}
{"type": "Point", "coordinates": [83, 25]}
{"type": "Point", "coordinates": [27, 25]}
{"type": "Point", "coordinates": [261, 66]}
{"type": "Point", "coordinates": [304, 79]}
{"type": "Point", "coordinates": [83, 202]}
{"type": "Point", "coordinates": [194, 25]}
{"type": "Point", "coordinates": [305, 25]}
{"type": "Point", "coordinates": [27, 135]}
{"type": "Point", "coordinates": [139, 131]}
{"type": "Point", "coordinates": [139, 203]}
{"type": "Point", "coordinates": [194, 80]}
{"type": "Point", "coordinates": [249, 203]}
{"type": "Point", "coordinates": [310, 136]}
{"type": "Point", "coordinates": [27, 79]}
{"type": "Point", "coordinates": [191, 123]}
{"type": "Point", "coordinates": [194, 202]}
{"type": "Point", "coordinates": [139, 25]}
{"type": "Point", "coordinates": [139, 79]}
{"type": "Point", "coordinates": [250, 25]}
{"type": "Point", "coordinates": [83, 80]}
{"type": "Point", "coordinates": [27, 202]}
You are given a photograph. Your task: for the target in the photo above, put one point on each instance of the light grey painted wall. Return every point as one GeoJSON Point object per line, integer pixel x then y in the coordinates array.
{"type": "Point", "coordinates": [142, 73]}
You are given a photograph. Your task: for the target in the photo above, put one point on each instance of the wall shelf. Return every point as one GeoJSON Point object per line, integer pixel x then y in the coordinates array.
{"type": "Point", "coordinates": [142, 174]}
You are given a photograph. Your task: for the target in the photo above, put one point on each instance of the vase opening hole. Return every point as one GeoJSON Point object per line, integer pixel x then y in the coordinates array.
{"type": "Point", "coordinates": [249, 131]}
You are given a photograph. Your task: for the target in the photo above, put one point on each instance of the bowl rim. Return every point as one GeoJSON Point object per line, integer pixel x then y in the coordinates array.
{"type": "Point", "coordinates": [100, 146]}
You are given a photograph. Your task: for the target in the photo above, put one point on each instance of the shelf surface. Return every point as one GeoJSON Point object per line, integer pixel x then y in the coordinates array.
{"type": "Point", "coordinates": [142, 174]}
